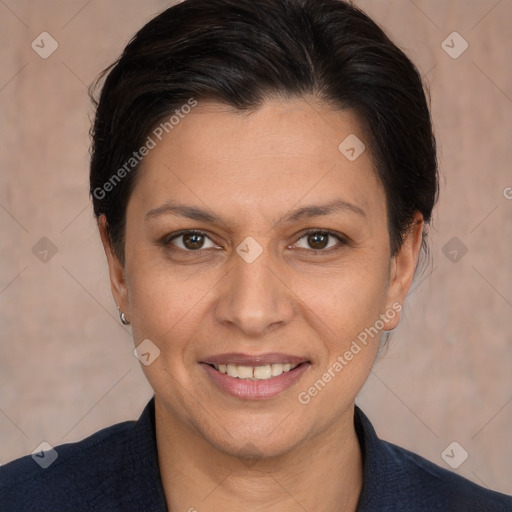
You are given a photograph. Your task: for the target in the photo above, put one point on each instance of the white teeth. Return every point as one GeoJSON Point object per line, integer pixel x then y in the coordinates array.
{"type": "Point", "coordinates": [277, 369]}
{"type": "Point", "coordinates": [245, 372]}
{"type": "Point", "coordinates": [255, 372]}
{"type": "Point", "coordinates": [262, 372]}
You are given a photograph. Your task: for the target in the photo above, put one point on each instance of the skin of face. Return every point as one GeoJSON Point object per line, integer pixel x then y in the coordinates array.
{"type": "Point", "coordinates": [252, 171]}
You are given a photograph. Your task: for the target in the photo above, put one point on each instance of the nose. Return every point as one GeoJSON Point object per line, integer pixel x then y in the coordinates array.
{"type": "Point", "coordinates": [253, 299]}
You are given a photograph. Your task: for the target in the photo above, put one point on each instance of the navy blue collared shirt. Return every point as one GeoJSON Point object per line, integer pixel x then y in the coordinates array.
{"type": "Point", "coordinates": [116, 470]}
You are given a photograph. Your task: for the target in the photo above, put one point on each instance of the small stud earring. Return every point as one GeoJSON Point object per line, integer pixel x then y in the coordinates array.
{"type": "Point", "coordinates": [122, 316]}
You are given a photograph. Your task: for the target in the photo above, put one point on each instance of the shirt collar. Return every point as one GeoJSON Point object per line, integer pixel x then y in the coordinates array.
{"type": "Point", "coordinates": [381, 472]}
{"type": "Point", "coordinates": [378, 484]}
{"type": "Point", "coordinates": [147, 492]}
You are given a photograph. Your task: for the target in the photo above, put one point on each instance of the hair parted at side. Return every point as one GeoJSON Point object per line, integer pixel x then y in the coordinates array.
{"type": "Point", "coordinates": [242, 52]}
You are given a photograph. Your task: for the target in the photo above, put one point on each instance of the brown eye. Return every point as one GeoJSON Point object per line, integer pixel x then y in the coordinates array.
{"type": "Point", "coordinates": [319, 240]}
{"type": "Point", "coordinates": [192, 241]}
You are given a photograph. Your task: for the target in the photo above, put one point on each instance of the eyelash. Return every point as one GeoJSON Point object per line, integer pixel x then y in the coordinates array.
{"type": "Point", "coordinates": [173, 236]}
{"type": "Point", "coordinates": [342, 241]}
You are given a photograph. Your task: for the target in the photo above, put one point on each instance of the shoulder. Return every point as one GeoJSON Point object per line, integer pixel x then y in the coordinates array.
{"type": "Point", "coordinates": [439, 489]}
{"type": "Point", "coordinates": [398, 480]}
{"type": "Point", "coordinates": [115, 469]}
{"type": "Point", "coordinates": [41, 481]}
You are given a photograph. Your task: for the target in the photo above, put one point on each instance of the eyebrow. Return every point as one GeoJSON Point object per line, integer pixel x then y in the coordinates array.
{"type": "Point", "coordinates": [315, 210]}
{"type": "Point", "coordinates": [189, 212]}
{"type": "Point", "coordinates": [337, 206]}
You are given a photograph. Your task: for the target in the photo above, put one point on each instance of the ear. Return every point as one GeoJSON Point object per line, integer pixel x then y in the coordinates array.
{"type": "Point", "coordinates": [115, 267]}
{"type": "Point", "coordinates": [402, 270]}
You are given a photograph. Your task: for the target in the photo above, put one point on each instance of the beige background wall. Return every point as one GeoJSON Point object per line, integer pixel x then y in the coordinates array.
{"type": "Point", "coordinates": [66, 364]}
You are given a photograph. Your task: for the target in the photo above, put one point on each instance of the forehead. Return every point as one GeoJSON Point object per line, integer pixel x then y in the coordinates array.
{"type": "Point", "coordinates": [285, 151]}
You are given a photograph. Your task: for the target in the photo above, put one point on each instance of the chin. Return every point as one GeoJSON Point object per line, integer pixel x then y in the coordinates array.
{"type": "Point", "coordinates": [254, 437]}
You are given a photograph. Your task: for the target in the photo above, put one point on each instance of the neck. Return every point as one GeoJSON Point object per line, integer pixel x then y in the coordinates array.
{"type": "Point", "coordinates": [324, 473]}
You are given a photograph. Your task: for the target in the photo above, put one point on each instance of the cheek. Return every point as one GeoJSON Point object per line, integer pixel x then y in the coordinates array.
{"type": "Point", "coordinates": [168, 309]}
{"type": "Point", "coordinates": [342, 310]}
{"type": "Point", "coordinates": [165, 302]}
{"type": "Point", "coordinates": [347, 300]}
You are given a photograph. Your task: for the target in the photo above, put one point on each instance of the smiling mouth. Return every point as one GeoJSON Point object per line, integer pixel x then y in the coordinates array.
{"type": "Point", "coordinates": [264, 372]}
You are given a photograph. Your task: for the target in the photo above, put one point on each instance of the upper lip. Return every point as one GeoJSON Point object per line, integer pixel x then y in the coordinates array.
{"type": "Point", "coordinates": [254, 359]}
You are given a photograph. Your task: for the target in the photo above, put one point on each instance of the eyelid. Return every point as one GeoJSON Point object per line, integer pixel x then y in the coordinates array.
{"type": "Point", "coordinates": [342, 239]}
{"type": "Point", "coordinates": [167, 240]}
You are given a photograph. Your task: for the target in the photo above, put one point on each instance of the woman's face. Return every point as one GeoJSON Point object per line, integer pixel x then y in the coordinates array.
{"type": "Point", "coordinates": [289, 265]}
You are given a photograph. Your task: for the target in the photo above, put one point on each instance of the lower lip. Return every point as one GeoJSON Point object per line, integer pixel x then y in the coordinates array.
{"type": "Point", "coordinates": [255, 389]}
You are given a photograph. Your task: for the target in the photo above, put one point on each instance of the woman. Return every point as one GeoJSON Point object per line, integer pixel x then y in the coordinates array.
{"type": "Point", "coordinates": [263, 173]}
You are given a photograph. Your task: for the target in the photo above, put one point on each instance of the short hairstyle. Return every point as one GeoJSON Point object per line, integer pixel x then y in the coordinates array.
{"type": "Point", "coordinates": [243, 52]}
